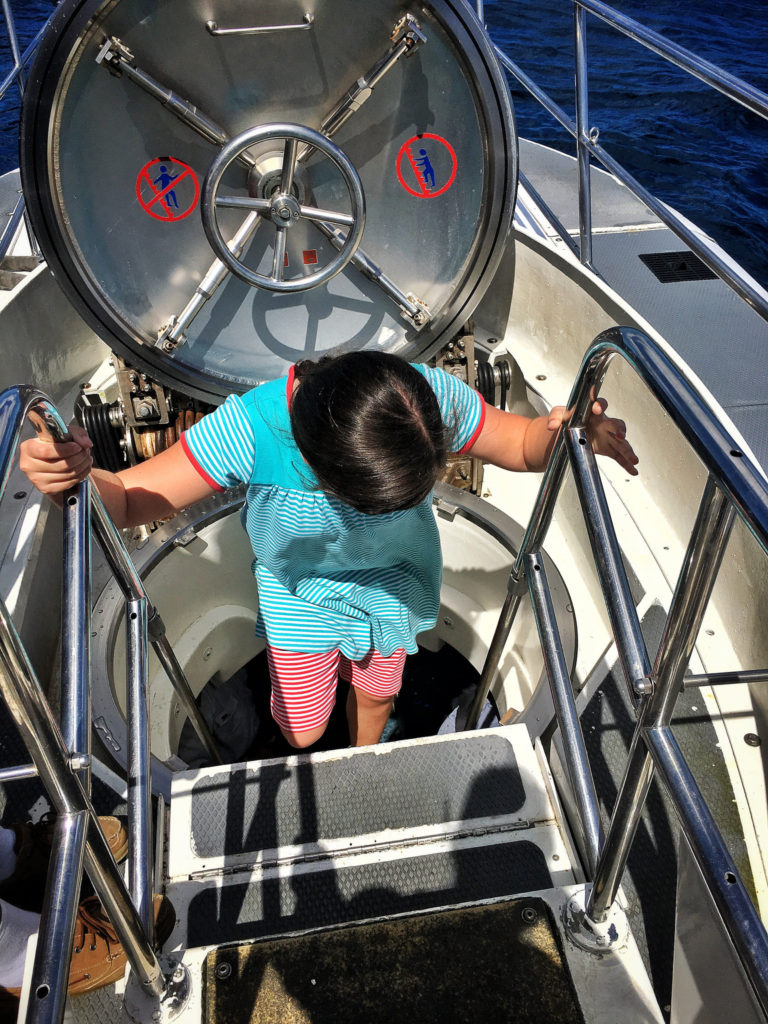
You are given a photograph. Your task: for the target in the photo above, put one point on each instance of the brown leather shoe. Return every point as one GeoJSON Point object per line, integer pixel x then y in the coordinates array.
{"type": "Point", "coordinates": [98, 958]}
{"type": "Point", "coordinates": [26, 886]}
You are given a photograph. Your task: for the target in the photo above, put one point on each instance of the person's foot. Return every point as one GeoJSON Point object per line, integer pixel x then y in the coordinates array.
{"type": "Point", "coordinates": [98, 958]}
{"type": "Point", "coordinates": [26, 886]}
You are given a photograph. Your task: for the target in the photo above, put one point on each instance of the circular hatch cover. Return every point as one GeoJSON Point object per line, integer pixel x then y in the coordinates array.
{"type": "Point", "coordinates": [223, 188]}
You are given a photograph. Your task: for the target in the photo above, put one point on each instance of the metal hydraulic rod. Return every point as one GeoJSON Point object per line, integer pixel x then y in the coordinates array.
{"type": "Point", "coordinates": [119, 60]}
{"type": "Point", "coordinates": [407, 37]}
{"type": "Point", "coordinates": [415, 311]}
{"type": "Point", "coordinates": [174, 332]}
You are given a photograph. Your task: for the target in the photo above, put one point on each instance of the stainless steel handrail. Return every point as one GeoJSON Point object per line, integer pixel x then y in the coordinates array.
{"type": "Point", "coordinates": [587, 145]}
{"type": "Point", "coordinates": [50, 424]}
{"type": "Point", "coordinates": [735, 487]}
{"type": "Point", "coordinates": [16, 76]}
{"type": "Point", "coordinates": [63, 771]}
{"type": "Point", "coordinates": [731, 898]}
{"type": "Point", "coordinates": [731, 86]}
{"type": "Point", "coordinates": [574, 748]}
{"type": "Point", "coordinates": [58, 919]}
{"type": "Point", "coordinates": [18, 62]}
{"type": "Point", "coordinates": [62, 761]}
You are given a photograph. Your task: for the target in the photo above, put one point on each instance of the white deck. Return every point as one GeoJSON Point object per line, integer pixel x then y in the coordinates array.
{"type": "Point", "coordinates": [721, 338]}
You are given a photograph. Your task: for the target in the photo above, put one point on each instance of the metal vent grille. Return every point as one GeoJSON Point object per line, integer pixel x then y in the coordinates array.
{"type": "Point", "coordinates": [670, 267]}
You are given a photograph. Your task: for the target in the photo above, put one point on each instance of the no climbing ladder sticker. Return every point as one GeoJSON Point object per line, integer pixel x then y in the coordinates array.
{"type": "Point", "coordinates": [426, 165]}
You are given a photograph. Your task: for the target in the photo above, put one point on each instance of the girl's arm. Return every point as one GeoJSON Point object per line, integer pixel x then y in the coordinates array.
{"type": "Point", "coordinates": [151, 490]}
{"type": "Point", "coordinates": [519, 443]}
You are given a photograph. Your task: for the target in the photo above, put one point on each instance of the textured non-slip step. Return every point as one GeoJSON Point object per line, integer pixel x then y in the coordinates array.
{"type": "Point", "coordinates": [267, 811]}
{"type": "Point", "coordinates": [360, 887]}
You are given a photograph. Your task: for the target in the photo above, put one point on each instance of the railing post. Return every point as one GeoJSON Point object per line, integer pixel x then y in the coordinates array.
{"type": "Point", "coordinates": [580, 403]}
{"type": "Point", "coordinates": [532, 541]}
{"type": "Point", "coordinates": [582, 134]}
{"type": "Point", "coordinates": [689, 602]}
{"type": "Point", "coordinates": [14, 44]}
{"type": "Point", "coordinates": [41, 736]}
{"type": "Point", "coordinates": [57, 921]}
{"type": "Point", "coordinates": [139, 797]}
{"type": "Point", "coordinates": [625, 623]}
{"type": "Point", "coordinates": [132, 587]}
{"type": "Point", "coordinates": [737, 912]}
{"type": "Point", "coordinates": [574, 751]}
{"type": "Point", "coordinates": [76, 627]}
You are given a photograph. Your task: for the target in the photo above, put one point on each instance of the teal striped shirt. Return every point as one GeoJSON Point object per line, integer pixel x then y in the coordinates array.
{"type": "Point", "coordinates": [328, 576]}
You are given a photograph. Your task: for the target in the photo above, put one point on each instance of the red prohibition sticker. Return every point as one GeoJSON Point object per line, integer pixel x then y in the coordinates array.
{"type": "Point", "coordinates": [426, 165]}
{"type": "Point", "coordinates": [167, 189]}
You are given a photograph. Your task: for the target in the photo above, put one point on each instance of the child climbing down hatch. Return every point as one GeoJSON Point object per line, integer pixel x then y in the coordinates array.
{"type": "Point", "coordinates": [339, 459]}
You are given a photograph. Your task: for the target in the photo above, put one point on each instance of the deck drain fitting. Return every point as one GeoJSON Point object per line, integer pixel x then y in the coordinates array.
{"type": "Point", "coordinates": [169, 1007]}
{"type": "Point", "coordinates": [594, 937]}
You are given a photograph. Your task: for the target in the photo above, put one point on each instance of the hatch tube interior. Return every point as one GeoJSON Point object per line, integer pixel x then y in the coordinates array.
{"type": "Point", "coordinates": [197, 573]}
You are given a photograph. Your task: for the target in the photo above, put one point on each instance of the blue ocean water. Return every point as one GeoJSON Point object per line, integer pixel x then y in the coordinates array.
{"type": "Point", "coordinates": [694, 148]}
{"type": "Point", "coordinates": [691, 146]}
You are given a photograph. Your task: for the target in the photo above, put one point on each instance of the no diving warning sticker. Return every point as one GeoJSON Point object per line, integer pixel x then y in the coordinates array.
{"type": "Point", "coordinates": [426, 165]}
{"type": "Point", "coordinates": [167, 189]}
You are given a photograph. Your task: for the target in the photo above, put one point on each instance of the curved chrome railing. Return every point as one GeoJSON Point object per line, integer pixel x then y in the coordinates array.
{"type": "Point", "coordinates": [735, 487]}
{"type": "Point", "coordinates": [61, 755]}
{"type": "Point", "coordinates": [16, 77]}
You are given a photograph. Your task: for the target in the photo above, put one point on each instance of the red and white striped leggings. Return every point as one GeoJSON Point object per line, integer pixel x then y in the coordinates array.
{"type": "Point", "coordinates": [304, 685]}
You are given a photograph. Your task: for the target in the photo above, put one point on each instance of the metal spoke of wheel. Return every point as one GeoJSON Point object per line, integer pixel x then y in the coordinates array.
{"type": "Point", "coordinates": [312, 213]}
{"type": "Point", "coordinates": [244, 203]}
{"type": "Point", "coordinates": [289, 165]}
{"type": "Point", "coordinates": [278, 262]}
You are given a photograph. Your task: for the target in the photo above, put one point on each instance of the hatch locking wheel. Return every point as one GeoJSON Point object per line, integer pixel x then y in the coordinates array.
{"type": "Point", "coordinates": [282, 207]}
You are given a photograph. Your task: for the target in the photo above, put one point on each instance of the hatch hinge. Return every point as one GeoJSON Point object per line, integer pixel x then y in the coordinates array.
{"type": "Point", "coordinates": [115, 55]}
{"type": "Point", "coordinates": [408, 30]}
{"type": "Point", "coordinates": [458, 359]}
{"type": "Point", "coordinates": [144, 400]}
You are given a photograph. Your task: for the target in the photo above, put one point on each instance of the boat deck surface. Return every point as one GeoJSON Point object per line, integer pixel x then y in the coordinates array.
{"type": "Point", "coordinates": [718, 335]}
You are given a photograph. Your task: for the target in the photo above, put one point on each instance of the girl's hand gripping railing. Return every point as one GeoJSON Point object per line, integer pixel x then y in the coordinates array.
{"type": "Point", "coordinates": [60, 771]}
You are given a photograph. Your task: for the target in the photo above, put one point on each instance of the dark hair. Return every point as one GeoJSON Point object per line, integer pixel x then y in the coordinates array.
{"type": "Point", "coordinates": [368, 424]}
